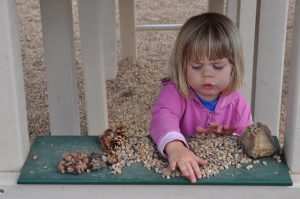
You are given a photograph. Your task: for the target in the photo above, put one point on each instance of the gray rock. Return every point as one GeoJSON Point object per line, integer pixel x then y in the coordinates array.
{"type": "Point", "coordinates": [257, 141]}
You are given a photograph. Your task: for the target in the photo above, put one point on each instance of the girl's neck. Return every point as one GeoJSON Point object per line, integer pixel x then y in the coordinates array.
{"type": "Point", "coordinates": [206, 98]}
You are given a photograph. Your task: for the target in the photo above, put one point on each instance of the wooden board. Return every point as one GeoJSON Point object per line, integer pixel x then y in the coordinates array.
{"type": "Point", "coordinates": [49, 150]}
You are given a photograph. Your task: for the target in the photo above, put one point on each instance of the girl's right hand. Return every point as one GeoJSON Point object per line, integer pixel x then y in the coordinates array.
{"type": "Point", "coordinates": [216, 129]}
{"type": "Point", "coordinates": [185, 160]}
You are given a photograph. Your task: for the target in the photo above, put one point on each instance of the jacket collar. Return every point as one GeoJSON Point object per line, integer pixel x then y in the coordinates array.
{"type": "Point", "coordinates": [224, 100]}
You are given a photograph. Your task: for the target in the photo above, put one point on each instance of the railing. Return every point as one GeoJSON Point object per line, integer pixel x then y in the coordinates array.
{"type": "Point", "coordinates": [264, 44]}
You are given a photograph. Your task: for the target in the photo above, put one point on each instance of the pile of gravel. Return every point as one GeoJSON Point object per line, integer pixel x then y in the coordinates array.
{"type": "Point", "coordinates": [221, 152]}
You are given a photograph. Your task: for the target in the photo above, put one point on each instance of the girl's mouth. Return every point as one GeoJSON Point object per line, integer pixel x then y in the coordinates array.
{"type": "Point", "coordinates": [207, 86]}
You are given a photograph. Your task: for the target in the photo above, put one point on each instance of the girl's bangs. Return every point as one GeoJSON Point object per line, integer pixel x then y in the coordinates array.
{"type": "Point", "coordinates": [210, 48]}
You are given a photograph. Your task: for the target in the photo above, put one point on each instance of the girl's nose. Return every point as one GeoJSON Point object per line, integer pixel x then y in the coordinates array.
{"type": "Point", "coordinates": [207, 71]}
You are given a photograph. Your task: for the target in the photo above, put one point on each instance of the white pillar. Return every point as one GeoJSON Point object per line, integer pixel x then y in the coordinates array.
{"type": "Point", "coordinates": [14, 142]}
{"type": "Point", "coordinates": [270, 62]}
{"type": "Point", "coordinates": [216, 6]}
{"type": "Point", "coordinates": [292, 133]}
{"type": "Point", "coordinates": [109, 34]}
{"type": "Point", "coordinates": [60, 66]}
{"type": "Point", "coordinates": [127, 28]}
{"type": "Point", "coordinates": [93, 36]}
{"type": "Point", "coordinates": [233, 10]}
{"type": "Point", "coordinates": [243, 14]}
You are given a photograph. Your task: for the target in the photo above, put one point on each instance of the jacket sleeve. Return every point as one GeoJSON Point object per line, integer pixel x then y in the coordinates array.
{"type": "Point", "coordinates": [245, 116]}
{"type": "Point", "coordinates": [166, 114]}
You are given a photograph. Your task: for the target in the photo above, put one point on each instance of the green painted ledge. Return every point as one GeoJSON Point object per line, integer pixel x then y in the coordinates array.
{"type": "Point", "coordinates": [49, 150]}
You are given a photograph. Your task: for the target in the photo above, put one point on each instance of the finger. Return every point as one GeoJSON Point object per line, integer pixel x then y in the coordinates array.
{"type": "Point", "coordinates": [226, 133]}
{"type": "Point", "coordinates": [219, 129]}
{"type": "Point", "coordinates": [213, 125]}
{"type": "Point", "coordinates": [191, 175]}
{"type": "Point", "coordinates": [201, 130]}
{"type": "Point", "coordinates": [183, 169]}
{"type": "Point", "coordinates": [186, 171]}
{"type": "Point", "coordinates": [230, 131]}
{"type": "Point", "coordinates": [172, 165]}
{"type": "Point", "coordinates": [196, 169]}
{"type": "Point", "coordinates": [201, 162]}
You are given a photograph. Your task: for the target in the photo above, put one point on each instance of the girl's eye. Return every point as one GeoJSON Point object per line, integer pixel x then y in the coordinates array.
{"type": "Point", "coordinates": [218, 67]}
{"type": "Point", "coordinates": [196, 66]}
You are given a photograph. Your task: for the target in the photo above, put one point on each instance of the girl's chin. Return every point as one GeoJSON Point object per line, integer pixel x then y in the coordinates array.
{"type": "Point", "coordinates": [208, 96]}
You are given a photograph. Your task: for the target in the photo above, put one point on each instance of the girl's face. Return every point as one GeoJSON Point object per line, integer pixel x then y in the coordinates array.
{"type": "Point", "coordinates": [208, 78]}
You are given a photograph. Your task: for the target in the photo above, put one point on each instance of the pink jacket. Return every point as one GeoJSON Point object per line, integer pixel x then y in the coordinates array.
{"type": "Point", "coordinates": [174, 117]}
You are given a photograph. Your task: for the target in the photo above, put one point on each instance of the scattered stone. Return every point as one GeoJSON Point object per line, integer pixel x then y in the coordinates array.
{"type": "Point", "coordinates": [250, 166]}
{"type": "Point", "coordinates": [34, 157]}
{"type": "Point", "coordinates": [264, 162]}
{"type": "Point", "coordinates": [166, 172]}
{"type": "Point", "coordinates": [256, 161]}
{"type": "Point", "coordinates": [238, 166]}
{"type": "Point", "coordinates": [277, 158]}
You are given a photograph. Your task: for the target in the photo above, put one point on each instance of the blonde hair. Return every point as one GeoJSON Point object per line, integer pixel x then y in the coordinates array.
{"type": "Point", "coordinates": [209, 35]}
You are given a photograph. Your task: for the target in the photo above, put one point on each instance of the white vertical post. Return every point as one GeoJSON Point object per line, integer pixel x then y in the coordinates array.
{"type": "Point", "coordinates": [233, 10]}
{"type": "Point", "coordinates": [108, 17]}
{"type": "Point", "coordinates": [14, 142]}
{"type": "Point", "coordinates": [243, 13]}
{"type": "Point", "coordinates": [270, 62]}
{"type": "Point", "coordinates": [292, 133]}
{"type": "Point", "coordinates": [216, 6]}
{"type": "Point", "coordinates": [60, 66]}
{"type": "Point", "coordinates": [127, 28]}
{"type": "Point", "coordinates": [93, 35]}
{"type": "Point", "coordinates": [247, 19]}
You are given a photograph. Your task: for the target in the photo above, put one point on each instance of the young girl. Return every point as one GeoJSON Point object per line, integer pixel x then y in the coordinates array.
{"type": "Point", "coordinates": [206, 69]}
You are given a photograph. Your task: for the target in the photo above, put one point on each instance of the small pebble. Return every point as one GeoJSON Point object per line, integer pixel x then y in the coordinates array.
{"type": "Point", "coordinates": [276, 157]}
{"type": "Point", "coordinates": [34, 157]}
{"type": "Point", "coordinates": [250, 166]}
{"type": "Point", "coordinates": [264, 162]}
{"type": "Point", "coordinates": [256, 161]}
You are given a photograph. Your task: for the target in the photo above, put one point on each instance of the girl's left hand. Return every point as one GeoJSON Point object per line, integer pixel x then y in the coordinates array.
{"type": "Point", "coordinates": [216, 129]}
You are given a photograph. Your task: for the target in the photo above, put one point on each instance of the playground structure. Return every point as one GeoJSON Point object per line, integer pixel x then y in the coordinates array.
{"type": "Point", "coordinates": [264, 44]}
